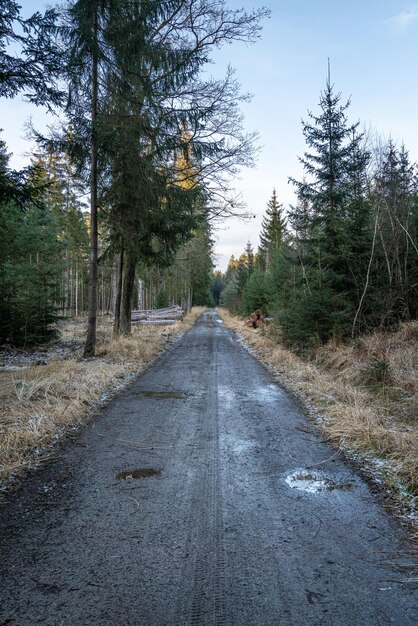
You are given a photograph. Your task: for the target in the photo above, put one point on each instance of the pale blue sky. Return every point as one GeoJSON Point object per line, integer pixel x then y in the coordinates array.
{"type": "Point", "coordinates": [373, 47]}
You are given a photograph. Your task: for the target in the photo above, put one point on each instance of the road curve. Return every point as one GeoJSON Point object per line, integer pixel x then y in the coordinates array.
{"type": "Point", "coordinates": [200, 496]}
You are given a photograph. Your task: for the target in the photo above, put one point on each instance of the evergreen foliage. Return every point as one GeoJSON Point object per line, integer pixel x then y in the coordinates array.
{"type": "Point", "coordinates": [216, 287]}
{"type": "Point", "coordinates": [155, 143]}
{"type": "Point", "coordinates": [331, 207]}
{"type": "Point", "coordinates": [29, 274]}
{"type": "Point", "coordinates": [350, 262]}
{"type": "Point", "coordinates": [273, 231]}
{"type": "Point", "coordinates": [136, 87]}
{"type": "Point", "coordinates": [30, 60]}
{"type": "Point", "coordinates": [255, 291]}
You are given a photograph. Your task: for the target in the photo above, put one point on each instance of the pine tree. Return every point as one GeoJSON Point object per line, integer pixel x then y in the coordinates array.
{"type": "Point", "coordinates": [330, 209]}
{"type": "Point", "coordinates": [330, 138]}
{"type": "Point", "coordinates": [255, 293]}
{"type": "Point", "coordinates": [148, 57]}
{"type": "Point", "coordinates": [55, 174]}
{"type": "Point", "coordinates": [216, 287]}
{"type": "Point", "coordinates": [273, 231]}
{"type": "Point", "coordinates": [30, 269]}
{"type": "Point", "coordinates": [249, 254]}
{"type": "Point", "coordinates": [30, 61]}
{"type": "Point", "coordinates": [392, 294]}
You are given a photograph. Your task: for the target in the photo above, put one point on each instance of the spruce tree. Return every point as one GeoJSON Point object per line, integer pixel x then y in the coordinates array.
{"type": "Point", "coordinates": [330, 209]}
{"type": "Point", "coordinates": [30, 60]}
{"type": "Point", "coordinates": [30, 270]}
{"type": "Point", "coordinates": [273, 231]}
{"type": "Point", "coordinates": [392, 295]}
{"type": "Point", "coordinates": [145, 59]}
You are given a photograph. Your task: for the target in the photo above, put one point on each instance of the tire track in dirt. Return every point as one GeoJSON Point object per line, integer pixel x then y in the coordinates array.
{"type": "Point", "coordinates": [213, 534]}
{"type": "Point", "coordinates": [207, 604]}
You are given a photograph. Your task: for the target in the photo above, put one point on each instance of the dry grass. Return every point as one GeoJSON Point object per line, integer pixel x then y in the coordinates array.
{"type": "Point", "coordinates": [42, 404]}
{"type": "Point", "coordinates": [366, 394]}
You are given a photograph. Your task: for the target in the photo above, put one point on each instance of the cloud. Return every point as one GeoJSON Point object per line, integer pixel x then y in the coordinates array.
{"type": "Point", "coordinates": [400, 23]}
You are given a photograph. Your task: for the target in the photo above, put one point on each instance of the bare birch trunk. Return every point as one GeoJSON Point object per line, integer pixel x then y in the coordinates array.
{"type": "Point", "coordinates": [140, 304]}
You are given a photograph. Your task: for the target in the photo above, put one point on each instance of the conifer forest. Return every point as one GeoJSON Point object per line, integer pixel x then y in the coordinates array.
{"type": "Point", "coordinates": [208, 313]}
{"type": "Point", "coordinates": [117, 208]}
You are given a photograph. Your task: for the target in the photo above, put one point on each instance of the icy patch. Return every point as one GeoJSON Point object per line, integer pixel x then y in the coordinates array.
{"type": "Point", "coordinates": [268, 393]}
{"type": "Point", "coordinates": [306, 482]}
{"type": "Point", "coordinates": [314, 482]}
{"type": "Point", "coordinates": [236, 445]}
{"type": "Point", "coordinates": [226, 395]}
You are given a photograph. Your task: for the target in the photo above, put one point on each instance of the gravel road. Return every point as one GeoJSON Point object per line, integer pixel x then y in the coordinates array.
{"type": "Point", "coordinates": [201, 496]}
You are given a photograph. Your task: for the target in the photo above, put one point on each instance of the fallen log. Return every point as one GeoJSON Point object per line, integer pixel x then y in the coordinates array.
{"type": "Point", "coordinates": [155, 322]}
{"type": "Point", "coordinates": [171, 314]}
{"type": "Point", "coordinates": [255, 320]}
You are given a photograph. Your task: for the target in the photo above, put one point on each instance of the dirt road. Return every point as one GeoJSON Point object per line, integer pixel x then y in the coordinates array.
{"type": "Point", "coordinates": [199, 496]}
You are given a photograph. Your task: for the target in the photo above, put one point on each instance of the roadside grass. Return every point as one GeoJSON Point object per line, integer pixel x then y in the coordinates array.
{"type": "Point", "coordinates": [42, 404]}
{"type": "Point", "coordinates": [363, 395]}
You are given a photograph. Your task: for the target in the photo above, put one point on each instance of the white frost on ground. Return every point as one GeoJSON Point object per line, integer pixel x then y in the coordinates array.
{"type": "Point", "coordinates": [236, 445]}
{"type": "Point", "coordinates": [226, 395]}
{"type": "Point", "coordinates": [14, 360]}
{"type": "Point", "coordinates": [384, 472]}
{"type": "Point", "coordinates": [268, 393]}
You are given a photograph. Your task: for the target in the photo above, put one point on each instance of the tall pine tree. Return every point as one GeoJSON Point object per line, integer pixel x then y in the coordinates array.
{"type": "Point", "coordinates": [330, 208]}
{"type": "Point", "coordinates": [273, 231]}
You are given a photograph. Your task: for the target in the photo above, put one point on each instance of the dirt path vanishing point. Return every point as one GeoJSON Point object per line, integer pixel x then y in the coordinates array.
{"type": "Point", "coordinates": [200, 496]}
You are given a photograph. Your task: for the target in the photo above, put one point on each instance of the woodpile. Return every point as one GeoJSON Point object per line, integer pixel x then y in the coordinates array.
{"type": "Point", "coordinates": [256, 319]}
{"type": "Point", "coordinates": [169, 315]}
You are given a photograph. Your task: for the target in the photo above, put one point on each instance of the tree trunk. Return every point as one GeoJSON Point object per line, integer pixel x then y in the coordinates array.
{"type": "Point", "coordinates": [140, 304]}
{"type": "Point", "coordinates": [127, 296]}
{"type": "Point", "coordinates": [118, 299]}
{"type": "Point", "coordinates": [90, 347]}
{"type": "Point", "coordinates": [76, 289]}
{"type": "Point", "coordinates": [114, 287]}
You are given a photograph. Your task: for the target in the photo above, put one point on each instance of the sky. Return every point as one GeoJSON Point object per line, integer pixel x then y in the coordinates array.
{"type": "Point", "coordinates": [373, 50]}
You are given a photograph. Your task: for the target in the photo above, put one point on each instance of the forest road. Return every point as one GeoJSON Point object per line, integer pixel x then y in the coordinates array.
{"type": "Point", "coordinates": [191, 500]}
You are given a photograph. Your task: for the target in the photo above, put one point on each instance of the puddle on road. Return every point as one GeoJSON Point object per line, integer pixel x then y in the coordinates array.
{"type": "Point", "coordinates": [163, 394]}
{"type": "Point", "coordinates": [315, 482]}
{"type": "Point", "coordinates": [145, 472]}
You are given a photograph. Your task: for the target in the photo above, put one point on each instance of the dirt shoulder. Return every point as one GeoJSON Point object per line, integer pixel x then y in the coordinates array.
{"type": "Point", "coordinates": [48, 393]}
{"type": "Point", "coordinates": [363, 397]}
